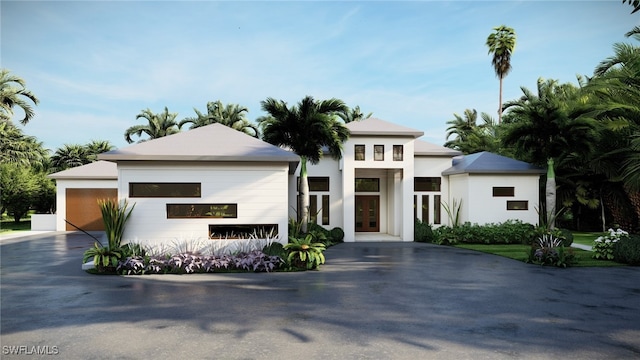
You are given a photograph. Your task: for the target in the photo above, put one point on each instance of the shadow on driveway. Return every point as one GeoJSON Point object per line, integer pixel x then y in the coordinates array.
{"type": "Point", "coordinates": [370, 301]}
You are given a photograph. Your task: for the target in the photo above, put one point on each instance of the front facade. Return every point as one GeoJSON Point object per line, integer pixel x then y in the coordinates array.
{"type": "Point", "coordinates": [217, 183]}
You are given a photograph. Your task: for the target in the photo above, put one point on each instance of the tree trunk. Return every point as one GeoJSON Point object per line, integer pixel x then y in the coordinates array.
{"type": "Point", "coordinates": [500, 103]}
{"type": "Point", "coordinates": [551, 196]}
{"type": "Point", "coordinates": [304, 194]}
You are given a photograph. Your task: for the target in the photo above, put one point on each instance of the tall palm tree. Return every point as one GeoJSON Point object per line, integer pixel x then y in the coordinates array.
{"type": "Point", "coordinates": [550, 128]}
{"type": "Point", "coordinates": [501, 44]}
{"type": "Point", "coordinates": [231, 115]}
{"type": "Point", "coordinates": [158, 125]}
{"type": "Point", "coordinates": [307, 129]}
{"type": "Point", "coordinates": [354, 114]}
{"type": "Point", "coordinates": [469, 136]}
{"type": "Point", "coordinates": [13, 93]}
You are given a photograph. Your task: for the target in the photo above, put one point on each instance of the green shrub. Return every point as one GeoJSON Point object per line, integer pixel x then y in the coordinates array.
{"type": "Point", "coordinates": [444, 235]}
{"type": "Point", "coordinates": [336, 235]}
{"type": "Point", "coordinates": [304, 253]}
{"type": "Point", "coordinates": [627, 250]}
{"type": "Point", "coordinates": [275, 249]}
{"type": "Point", "coordinates": [509, 232]}
{"type": "Point", "coordinates": [422, 232]}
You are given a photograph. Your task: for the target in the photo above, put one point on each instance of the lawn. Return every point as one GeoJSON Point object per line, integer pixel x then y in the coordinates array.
{"type": "Point", "coordinates": [585, 238]}
{"type": "Point", "coordinates": [521, 253]}
{"type": "Point", "coordinates": [9, 226]}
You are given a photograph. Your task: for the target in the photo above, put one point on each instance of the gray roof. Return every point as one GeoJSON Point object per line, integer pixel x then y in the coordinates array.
{"type": "Point", "coordinates": [377, 127]}
{"type": "Point", "coordinates": [489, 163]}
{"type": "Point", "coordinates": [424, 148]}
{"type": "Point", "coordinates": [214, 142]}
{"type": "Point", "coordinates": [99, 170]}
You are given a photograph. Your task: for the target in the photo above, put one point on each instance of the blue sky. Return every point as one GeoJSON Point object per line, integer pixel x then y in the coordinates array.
{"type": "Point", "coordinates": [95, 65]}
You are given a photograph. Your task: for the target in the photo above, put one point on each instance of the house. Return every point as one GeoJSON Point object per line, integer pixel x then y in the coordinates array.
{"type": "Point", "coordinates": [215, 182]}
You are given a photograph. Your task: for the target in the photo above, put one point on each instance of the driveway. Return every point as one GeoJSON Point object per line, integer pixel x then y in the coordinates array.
{"type": "Point", "coordinates": [370, 301]}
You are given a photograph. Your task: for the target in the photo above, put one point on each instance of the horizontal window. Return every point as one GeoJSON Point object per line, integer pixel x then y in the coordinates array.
{"type": "Point", "coordinates": [165, 190]}
{"type": "Point", "coordinates": [367, 185]}
{"type": "Point", "coordinates": [427, 184]}
{"type": "Point", "coordinates": [214, 211]}
{"type": "Point", "coordinates": [243, 231]}
{"type": "Point", "coordinates": [517, 205]}
{"type": "Point", "coordinates": [503, 191]}
{"type": "Point", "coordinates": [317, 183]}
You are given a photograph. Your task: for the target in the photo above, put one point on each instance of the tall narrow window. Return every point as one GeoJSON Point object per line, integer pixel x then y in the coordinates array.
{"type": "Point", "coordinates": [313, 208]}
{"type": "Point", "coordinates": [398, 152]}
{"type": "Point", "coordinates": [425, 208]}
{"type": "Point", "coordinates": [359, 152]}
{"type": "Point", "coordinates": [325, 209]}
{"type": "Point", "coordinates": [415, 207]}
{"type": "Point", "coordinates": [378, 152]}
{"type": "Point", "coordinates": [436, 209]}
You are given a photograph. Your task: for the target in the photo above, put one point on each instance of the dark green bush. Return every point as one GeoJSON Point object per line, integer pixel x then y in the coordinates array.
{"type": "Point", "coordinates": [627, 250]}
{"type": "Point", "coordinates": [275, 249]}
{"type": "Point", "coordinates": [336, 235]}
{"type": "Point", "coordinates": [509, 232]}
{"type": "Point", "coordinates": [422, 232]}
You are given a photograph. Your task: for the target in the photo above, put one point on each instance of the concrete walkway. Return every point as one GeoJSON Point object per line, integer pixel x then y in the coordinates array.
{"type": "Point", "coordinates": [370, 301]}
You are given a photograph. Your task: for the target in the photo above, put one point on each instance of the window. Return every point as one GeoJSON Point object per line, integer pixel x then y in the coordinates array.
{"type": "Point", "coordinates": [517, 205]}
{"type": "Point", "coordinates": [215, 211]}
{"type": "Point", "coordinates": [313, 208]}
{"type": "Point", "coordinates": [397, 152]}
{"type": "Point", "coordinates": [359, 152]}
{"type": "Point", "coordinates": [325, 209]}
{"type": "Point", "coordinates": [436, 209]}
{"type": "Point", "coordinates": [165, 190]}
{"type": "Point", "coordinates": [503, 191]}
{"type": "Point", "coordinates": [367, 185]}
{"type": "Point", "coordinates": [378, 152]}
{"type": "Point", "coordinates": [415, 207]}
{"type": "Point", "coordinates": [316, 183]}
{"type": "Point", "coordinates": [427, 183]}
{"type": "Point", "coordinates": [425, 208]}
{"type": "Point", "coordinates": [244, 231]}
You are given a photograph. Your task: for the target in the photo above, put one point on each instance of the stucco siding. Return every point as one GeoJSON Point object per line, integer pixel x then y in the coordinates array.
{"type": "Point", "coordinates": [260, 192]}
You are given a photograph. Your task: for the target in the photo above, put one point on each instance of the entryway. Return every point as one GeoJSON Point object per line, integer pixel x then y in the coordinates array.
{"type": "Point", "coordinates": [367, 213]}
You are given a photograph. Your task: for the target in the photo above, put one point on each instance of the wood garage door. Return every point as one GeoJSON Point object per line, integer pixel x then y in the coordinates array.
{"type": "Point", "coordinates": [83, 210]}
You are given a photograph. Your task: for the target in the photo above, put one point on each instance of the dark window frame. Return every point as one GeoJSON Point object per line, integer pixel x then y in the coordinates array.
{"type": "Point", "coordinates": [356, 152]}
{"type": "Point", "coordinates": [376, 152]}
{"type": "Point", "coordinates": [164, 193]}
{"type": "Point", "coordinates": [504, 191]}
{"type": "Point", "coordinates": [511, 203]}
{"type": "Point", "coordinates": [373, 180]}
{"type": "Point", "coordinates": [199, 209]}
{"type": "Point", "coordinates": [316, 179]}
{"type": "Point", "coordinates": [398, 155]}
{"type": "Point", "coordinates": [418, 183]}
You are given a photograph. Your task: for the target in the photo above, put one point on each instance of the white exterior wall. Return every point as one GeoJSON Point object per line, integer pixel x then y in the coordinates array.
{"type": "Point", "coordinates": [427, 166]}
{"type": "Point", "coordinates": [259, 190]}
{"type": "Point", "coordinates": [459, 190]}
{"type": "Point", "coordinates": [327, 167]}
{"type": "Point", "coordinates": [482, 207]}
{"type": "Point", "coordinates": [61, 195]}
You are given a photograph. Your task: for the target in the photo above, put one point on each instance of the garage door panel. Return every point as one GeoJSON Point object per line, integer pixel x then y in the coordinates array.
{"type": "Point", "coordinates": [83, 210]}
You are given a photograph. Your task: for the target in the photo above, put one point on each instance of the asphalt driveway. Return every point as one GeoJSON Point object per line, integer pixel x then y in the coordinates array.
{"type": "Point", "coordinates": [370, 301]}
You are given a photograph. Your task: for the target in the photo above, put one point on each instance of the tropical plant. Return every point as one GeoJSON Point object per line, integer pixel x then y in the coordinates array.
{"type": "Point", "coordinates": [453, 211]}
{"type": "Point", "coordinates": [14, 94]}
{"type": "Point", "coordinates": [308, 129]}
{"type": "Point", "coordinates": [501, 44]}
{"type": "Point", "coordinates": [603, 245]}
{"type": "Point", "coordinates": [304, 253]}
{"type": "Point", "coordinates": [105, 258]}
{"type": "Point", "coordinates": [158, 125]}
{"type": "Point", "coordinates": [16, 147]}
{"type": "Point", "coordinates": [231, 115]}
{"type": "Point", "coordinates": [548, 250]}
{"type": "Point", "coordinates": [19, 186]}
{"type": "Point", "coordinates": [114, 216]}
{"type": "Point", "coordinates": [354, 114]}
{"type": "Point", "coordinates": [470, 137]}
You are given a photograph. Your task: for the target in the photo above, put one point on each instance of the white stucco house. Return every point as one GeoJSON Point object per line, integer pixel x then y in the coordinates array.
{"type": "Point", "coordinates": [215, 182]}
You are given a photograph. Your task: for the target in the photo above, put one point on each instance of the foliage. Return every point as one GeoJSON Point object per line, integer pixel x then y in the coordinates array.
{"type": "Point", "coordinates": [114, 217]}
{"type": "Point", "coordinates": [627, 250]}
{"type": "Point", "coordinates": [231, 115]}
{"type": "Point", "coordinates": [508, 232]}
{"type": "Point", "coordinates": [353, 114]}
{"type": "Point", "coordinates": [105, 258]}
{"type": "Point", "coordinates": [422, 232]}
{"type": "Point", "coordinates": [13, 93]}
{"type": "Point", "coordinates": [73, 155]}
{"type": "Point", "coordinates": [603, 246]}
{"type": "Point", "coordinates": [501, 44]}
{"type": "Point", "coordinates": [336, 235]}
{"type": "Point", "coordinates": [469, 137]}
{"type": "Point", "coordinates": [548, 250]}
{"type": "Point", "coordinates": [16, 147]}
{"type": "Point", "coordinates": [275, 249]}
{"type": "Point", "coordinates": [303, 253]}
{"type": "Point", "coordinates": [453, 212]}
{"type": "Point", "coordinates": [158, 125]}
{"type": "Point", "coordinates": [20, 189]}
{"type": "Point", "coordinates": [563, 234]}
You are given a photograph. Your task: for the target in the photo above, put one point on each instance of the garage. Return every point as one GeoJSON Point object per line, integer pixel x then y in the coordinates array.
{"type": "Point", "coordinates": [83, 210]}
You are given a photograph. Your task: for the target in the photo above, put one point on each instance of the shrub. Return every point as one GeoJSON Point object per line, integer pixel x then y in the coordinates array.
{"type": "Point", "coordinates": [627, 250]}
{"type": "Point", "coordinates": [444, 235]}
{"type": "Point", "coordinates": [336, 235]}
{"type": "Point", "coordinates": [548, 250]}
{"type": "Point", "coordinates": [275, 249]}
{"type": "Point", "coordinates": [304, 253]}
{"type": "Point", "coordinates": [422, 232]}
{"type": "Point", "coordinates": [509, 232]}
{"type": "Point", "coordinates": [603, 245]}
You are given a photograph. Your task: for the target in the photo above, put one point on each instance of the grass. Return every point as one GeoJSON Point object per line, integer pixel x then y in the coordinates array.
{"type": "Point", "coordinates": [521, 253]}
{"type": "Point", "coordinates": [585, 238]}
{"type": "Point", "coordinates": [9, 226]}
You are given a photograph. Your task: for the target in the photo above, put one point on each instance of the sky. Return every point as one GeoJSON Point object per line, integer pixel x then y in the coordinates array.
{"type": "Point", "coordinates": [95, 65]}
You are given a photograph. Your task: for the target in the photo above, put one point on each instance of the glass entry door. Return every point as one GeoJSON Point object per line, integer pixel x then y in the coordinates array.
{"type": "Point", "coordinates": [367, 213]}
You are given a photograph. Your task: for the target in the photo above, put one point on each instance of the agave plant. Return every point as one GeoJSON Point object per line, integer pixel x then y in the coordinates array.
{"type": "Point", "coordinates": [304, 253]}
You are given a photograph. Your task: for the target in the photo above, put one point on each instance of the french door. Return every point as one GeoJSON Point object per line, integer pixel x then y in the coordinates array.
{"type": "Point", "coordinates": [367, 213]}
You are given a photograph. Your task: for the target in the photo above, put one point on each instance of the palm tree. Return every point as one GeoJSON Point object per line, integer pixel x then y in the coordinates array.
{"type": "Point", "coordinates": [501, 44]}
{"type": "Point", "coordinates": [13, 93]}
{"type": "Point", "coordinates": [16, 147]}
{"type": "Point", "coordinates": [96, 147]}
{"type": "Point", "coordinates": [158, 125]}
{"type": "Point", "coordinates": [469, 136]}
{"type": "Point", "coordinates": [354, 114]}
{"type": "Point", "coordinates": [548, 129]}
{"type": "Point", "coordinates": [231, 115]}
{"type": "Point", "coordinates": [308, 128]}
{"type": "Point", "coordinates": [69, 156]}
